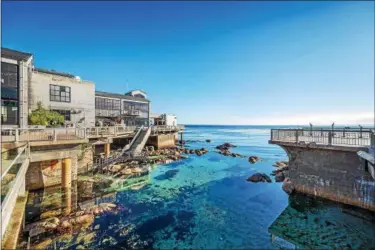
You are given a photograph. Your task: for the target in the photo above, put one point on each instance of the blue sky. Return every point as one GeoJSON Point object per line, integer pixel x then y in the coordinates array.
{"type": "Point", "coordinates": [212, 62]}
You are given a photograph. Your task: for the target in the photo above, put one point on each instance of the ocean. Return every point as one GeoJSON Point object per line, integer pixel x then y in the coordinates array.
{"type": "Point", "coordinates": [206, 203]}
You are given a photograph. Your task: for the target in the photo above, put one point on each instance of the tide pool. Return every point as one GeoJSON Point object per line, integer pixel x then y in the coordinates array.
{"type": "Point", "coordinates": [205, 202]}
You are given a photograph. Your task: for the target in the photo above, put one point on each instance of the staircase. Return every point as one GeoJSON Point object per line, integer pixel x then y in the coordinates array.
{"type": "Point", "coordinates": [135, 147]}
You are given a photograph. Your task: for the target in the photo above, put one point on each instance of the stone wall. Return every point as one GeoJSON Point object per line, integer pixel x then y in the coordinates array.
{"type": "Point", "coordinates": [47, 173]}
{"type": "Point", "coordinates": [337, 175]}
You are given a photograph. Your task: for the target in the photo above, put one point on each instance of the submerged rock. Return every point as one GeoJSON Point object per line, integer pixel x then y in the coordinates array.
{"type": "Point", "coordinates": [259, 177]}
{"type": "Point", "coordinates": [279, 177]}
{"type": "Point", "coordinates": [253, 159]}
{"type": "Point", "coordinates": [208, 140]}
{"type": "Point", "coordinates": [288, 186]}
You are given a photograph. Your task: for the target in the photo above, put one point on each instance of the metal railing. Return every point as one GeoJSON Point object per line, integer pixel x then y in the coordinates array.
{"type": "Point", "coordinates": [60, 134]}
{"type": "Point", "coordinates": [164, 128]}
{"type": "Point", "coordinates": [349, 137]}
{"type": "Point", "coordinates": [42, 134]}
{"type": "Point", "coordinates": [10, 168]}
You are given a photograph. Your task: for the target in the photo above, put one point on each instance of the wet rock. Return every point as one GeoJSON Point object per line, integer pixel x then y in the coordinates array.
{"type": "Point", "coordinates": [280, 170]}
{"type": "Point", "coordinates": [280, 164]}
{"type": "Point", "coordinates": [254, 159]}
{"type": "Point", "coordinates": [65, 224]}
{"type": "Point", "coordinates": [288, 186]}
{"type": "Point", "coordinates": [225, 146]}
{"type": "Point", "coordinates": [259, 177]}
{"type": "Point", "coordinates": [208, 140]}
{"type": "Point", "coordinates": [171, 173]}
{"type": "Point", "coordinates": [234, 155]}
{"type": "Point", "coordinates": [279, 177]}
{"type": "Point", "coordinates": [49, 214]}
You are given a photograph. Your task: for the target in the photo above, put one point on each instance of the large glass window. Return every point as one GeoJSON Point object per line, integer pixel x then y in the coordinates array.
{"type": "Point", "coordinates": [143, 107]}
{"type": "Point", "coordinates": [9, 94]}
{"type": "Point", "coordinates": [59, 93]}
{"type": "Point", "coordinates": [108, 104]}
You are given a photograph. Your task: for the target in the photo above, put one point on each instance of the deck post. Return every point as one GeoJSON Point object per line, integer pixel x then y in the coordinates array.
{"type": "Point", "coordinates": [296, 136]}
{"type": "Point", "coordinates": [17, 135]}
{"type": "Point", "coordinates": [330, 138]}
{"type": "Point", "coordinates": [372, 139]}
{"type": "Point", "coordinates": [54, 135]}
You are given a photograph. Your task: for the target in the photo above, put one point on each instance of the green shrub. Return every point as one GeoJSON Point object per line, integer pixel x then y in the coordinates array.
{"type": "Point", "coordinates": [45, 117]}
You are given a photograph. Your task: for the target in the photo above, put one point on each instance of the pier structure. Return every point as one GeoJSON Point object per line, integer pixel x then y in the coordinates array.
{"type": "Point", "coordinates": [36, 158]}
{"type": "Point", "coordinates": [336, 164]}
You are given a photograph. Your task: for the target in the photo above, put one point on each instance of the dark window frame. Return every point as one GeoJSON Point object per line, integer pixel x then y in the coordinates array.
{"type": "Point", "coordinates": [10, 120]}
{"type": "Point", "coordinates": [58, 93]}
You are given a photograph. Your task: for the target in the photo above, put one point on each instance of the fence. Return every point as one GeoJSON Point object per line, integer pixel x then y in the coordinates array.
{"type": "Point", "coordinates": [349, 137]}
{"type": "Point", "coordinates": [54, 134]}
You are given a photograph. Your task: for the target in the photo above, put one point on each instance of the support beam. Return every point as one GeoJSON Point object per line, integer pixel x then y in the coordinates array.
{"type": "Point", "coordinates": [66, 173]}
{"type": "Point", "coordinates": [107, 149]}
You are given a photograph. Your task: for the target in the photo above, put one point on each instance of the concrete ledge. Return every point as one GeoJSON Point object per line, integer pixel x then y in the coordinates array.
{"type": "Point", "coordinates": [348, 148]}
{"type": "Point", "coordinates": [59, 142]}
{"type": "Point", "coordinates": [13, 230]}
{"type": "Point", "coordinates": [335, 197]}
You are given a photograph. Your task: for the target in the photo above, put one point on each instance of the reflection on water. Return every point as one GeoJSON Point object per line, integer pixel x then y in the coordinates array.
{"type": "Point", "coordinates": [200, 203]}
{"type": "Point", "coordinates": [315, 223]}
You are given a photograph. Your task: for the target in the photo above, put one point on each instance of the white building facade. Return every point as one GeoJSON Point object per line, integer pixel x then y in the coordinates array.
{"type": "Point", "coordinates": [64, 93]}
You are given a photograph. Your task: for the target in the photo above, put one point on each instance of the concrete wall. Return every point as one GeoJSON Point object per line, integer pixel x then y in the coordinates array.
{"type": "Point", "coordinates": [335, 174]}
{"type": "Point", "coordinates": [162, 141]}
{"type": "Point", "coordinates": [47, 173]}
{"type": "Point", "coordinates": [82, 96]}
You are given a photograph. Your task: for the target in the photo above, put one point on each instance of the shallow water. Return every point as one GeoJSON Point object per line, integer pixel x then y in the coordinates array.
{"type": "Point", "coordinates": [206, 202]}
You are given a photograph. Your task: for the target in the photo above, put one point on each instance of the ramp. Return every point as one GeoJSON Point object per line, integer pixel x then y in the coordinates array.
{"type": "Point", "coordinates": [134, 148]}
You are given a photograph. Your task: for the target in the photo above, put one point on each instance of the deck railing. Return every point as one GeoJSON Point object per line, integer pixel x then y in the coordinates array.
{"type": "Point", "coordinates": [60, 134]}
{"type": "Point", "coordinates": [349, 137]}
{"type": "Point", "coordinates": [165, 129]}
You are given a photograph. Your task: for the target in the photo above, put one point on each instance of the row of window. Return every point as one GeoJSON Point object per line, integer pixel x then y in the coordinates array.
{"type": "Point", "coordinates": [108, 104]}
{"type": "Point", "coordinates": [59, 93]}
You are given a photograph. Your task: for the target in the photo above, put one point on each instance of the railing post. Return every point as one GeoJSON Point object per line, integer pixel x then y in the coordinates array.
{"type": "Point", "coordinates": [372, 139]}
{"type": "Point", "coordinates": [296, 136]}
{"type": "Point", "coordinates": [97, 131]}
{"type": "Point", "coordinates": [54, 135]}
{"type": "Point", "coordinates": [330, 138]}
{"type": "Point", "coordinates": [115, 130]}
{"type": "Point", "coordinates": [17, 135]}
{"type": "Point", "coordinates": [271, 134]}
{"type": "Point", "coordinates": [343, 133]}
{"type": "Point", "coordinates": [85, 133]}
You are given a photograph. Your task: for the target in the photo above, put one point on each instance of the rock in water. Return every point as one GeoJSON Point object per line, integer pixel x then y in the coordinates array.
{"type": "Point", "coordinates": [279, 177]}
{"type": "Point", "coordinates": [259, 177]}
{"type": "Point", "coordinates": [288, 186]}
{"type": "Point", "coordinates": [208, 140]}
{"type": "Point", "coordinates": [253, 159]}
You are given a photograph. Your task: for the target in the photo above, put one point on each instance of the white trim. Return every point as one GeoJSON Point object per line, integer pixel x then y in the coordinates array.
{"type": "Point", "coordinates": [7, 60]}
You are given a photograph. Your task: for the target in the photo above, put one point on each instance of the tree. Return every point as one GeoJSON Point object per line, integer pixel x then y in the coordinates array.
{"type": "Point", "coordinates": [42, 116]}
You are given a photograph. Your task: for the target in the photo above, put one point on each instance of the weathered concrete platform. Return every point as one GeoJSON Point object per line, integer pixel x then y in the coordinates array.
{"type": "Point", "coordinates": [334, 172]}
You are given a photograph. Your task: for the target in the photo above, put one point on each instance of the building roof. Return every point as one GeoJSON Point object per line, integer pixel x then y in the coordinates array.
{"type": "Point", "coordinates": [120, 96]}
{"type": "Point", "coordinates": [155, 115]}
{"type": "Point", "coordinates": [15, 55]}
{"type": "Point", "coordinates": [54, 72]}
{"type": "Point", "coordinates": [135, 90]}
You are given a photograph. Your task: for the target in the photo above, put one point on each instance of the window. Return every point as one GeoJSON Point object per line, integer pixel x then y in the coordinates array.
{"type": "Point", "coordinates": [59, 93]}
{"type": "Point", "coordinates": [108, 104]}
{"type": "Point", "coordinates": [9, 94]}
{"type": "Point", "coordinates": [65, 113]}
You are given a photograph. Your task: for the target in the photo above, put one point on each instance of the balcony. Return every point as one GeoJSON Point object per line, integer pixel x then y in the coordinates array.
{"type": "Point", "coordinates": [130, 112]}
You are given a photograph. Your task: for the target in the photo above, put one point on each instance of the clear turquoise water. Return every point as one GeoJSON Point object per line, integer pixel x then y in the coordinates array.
{"type": "Point", "coordinates": [208, 204]}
